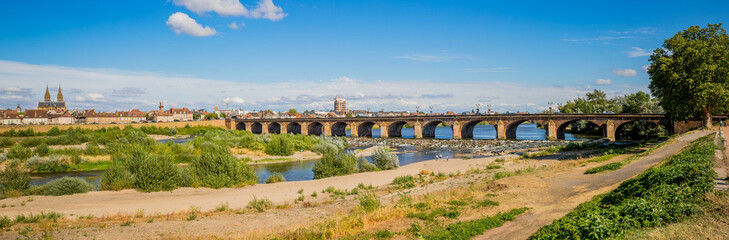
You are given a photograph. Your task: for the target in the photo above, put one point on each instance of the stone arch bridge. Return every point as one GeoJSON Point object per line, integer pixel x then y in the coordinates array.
{"type": "Point", "coordinates": [462, 125]}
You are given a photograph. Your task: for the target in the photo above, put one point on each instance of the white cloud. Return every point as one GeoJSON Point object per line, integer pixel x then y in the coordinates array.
{"type": "Point", "coordinates": [182, 23]}
{"type": "Point", "coordinates": [221, 7]}
{"type": "Point", "coordinates": [426, 58]}
{"type": "Point", "coordinates": [603, 82]}
{"type": "Point", "coordinates": [99, 86]}
{"type": "Point", "coordinates": [234, 25]}
{"type": "Point", "coordinates": [625, 72]}
{"type": "Point", "coordinates": [638, 52]}
{"type": "Point", "coordinates": [236, 100]}
{"type": "Point", "coordinates": [645, 68]}
{"type": "Point", "coordinates": [267, 10]}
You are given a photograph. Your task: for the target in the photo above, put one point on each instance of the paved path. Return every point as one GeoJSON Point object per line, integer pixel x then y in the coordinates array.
{"type": "Point", "coordinates": [565, 191]}
{"type": "Point", "coordinates": [722, 164]}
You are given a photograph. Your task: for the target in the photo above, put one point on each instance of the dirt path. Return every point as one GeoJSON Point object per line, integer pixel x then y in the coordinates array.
{"type": "Point", "coordinates": [721, 166]}
{"type": "Point", "coordinates": [559, 194]}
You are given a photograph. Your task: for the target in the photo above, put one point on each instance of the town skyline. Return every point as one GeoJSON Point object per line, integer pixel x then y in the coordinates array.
{"type": "Point", "coordinates": [281, 54]}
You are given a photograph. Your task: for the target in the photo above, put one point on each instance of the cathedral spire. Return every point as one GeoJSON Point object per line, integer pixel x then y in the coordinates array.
{"type": "Point", "coordinates": [48, 95]}
{"type": "Point", "coordinates": [60, 95]}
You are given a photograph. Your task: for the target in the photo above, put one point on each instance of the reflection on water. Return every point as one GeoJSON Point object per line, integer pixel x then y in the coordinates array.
{"type": "Point", "coordinates": [302, 170]}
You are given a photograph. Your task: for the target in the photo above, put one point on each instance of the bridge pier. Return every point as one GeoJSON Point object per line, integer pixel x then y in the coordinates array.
{"type": "Point", "coordinates": [551, 129]}
{"type": "Point", "coordinates": [304, 128]}
{"type": "Point", "coordinates": [417, 130]}
{"type": "Point", "coordinates": [383, 130]}
{"type": "Point", "coordinates": [353, 129]}
{"type": "Point", "coordinates": [264, 128]}
{"type": "Point", "coordinates": [283, 128]}
{"type": "Point", "coordinates": [327, 130]}
{"type": "Point", "coordinates": [456, 130]}
{"type": "Point", "coordinates": [608, 130]}
{"type": "Point", "coordinates": [500, 130]}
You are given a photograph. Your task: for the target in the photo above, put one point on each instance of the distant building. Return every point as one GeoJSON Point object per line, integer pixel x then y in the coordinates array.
{"type": "Point", "coordinates": [162, 116]}
{"type": "Point", "coordinates": [340, 106]}
{"type": "Point", "coordinates": [61, 118]}
{"type": "Point", "coordinates": [58, 106]}
{"type": "Point", "coordinates": [181, 114]}
{"type": "Point", "coordinates": [132, 116]}
{"type": "Point", "coordinates": [35, 116]}
{"type": "Point", "coordinates": [9, 117]}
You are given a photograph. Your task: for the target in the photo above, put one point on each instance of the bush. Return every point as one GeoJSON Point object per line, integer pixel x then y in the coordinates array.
{"type": "Point", "coordinates": [92, 149]}
{"type": "Point", "coordinates": [47, 164]}
{"type": "Point", "coordinates": [275, 177]}
{"type": "Point", "coordinates": [365, 166]}
{"type": "Point", "coordinates": [6, 142]}
{"type": "Point", "coordinates": [335, 164]}
{"type": "Point", "coordinates": [152, 174]}
{"type": "Point", "coordinates": [19, 152]}
{"type": "Point", "coordinates": [14, 179]}
{"type": "Point", "coordinates": [260, 204]}
{"type": "Point", "coordinates": [369, 201]}
{"type": "Point", "coordinates": [280, 145]}
{"type": "Point", "coordinates": [407, 181]}
{"type": "Point", "coordinates": [385, 160]}
{"type": "Point", "coordinates": [116, 178]}
{"type": "Point", "coordinates": [66, 186]}
{"type": "Point", "coordinates": [188, 177]}
{"type": "Point", "coordinates": [217, 168]}
{"type": "Point", "coordinates": [42, 150]}
{"type": "Point", "coordinates": [325, 147]}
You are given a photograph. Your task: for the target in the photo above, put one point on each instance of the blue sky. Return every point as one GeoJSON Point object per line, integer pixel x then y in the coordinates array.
{"type": "Point", "coordinates": [378, 54]}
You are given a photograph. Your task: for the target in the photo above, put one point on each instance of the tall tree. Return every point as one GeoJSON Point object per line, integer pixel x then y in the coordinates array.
{"type": "Point", "coordinates": [690, 74]}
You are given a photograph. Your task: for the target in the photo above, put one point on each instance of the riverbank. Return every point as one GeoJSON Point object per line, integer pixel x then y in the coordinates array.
{"type": "Point", "coordinates": [480, 147]}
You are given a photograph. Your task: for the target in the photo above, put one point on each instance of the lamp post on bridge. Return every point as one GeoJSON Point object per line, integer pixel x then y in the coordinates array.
{"type": "Point", "coordinates": [478, 111]}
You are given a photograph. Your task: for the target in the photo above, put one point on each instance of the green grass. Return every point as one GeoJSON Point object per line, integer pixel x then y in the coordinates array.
{"type": "Point", "coordinates": [621, 164]}
{"type": "Point", "coordinates": [91, 166]}
{"type": "Point", "coordinates": [603, 157]}
{"type": "Point", "coordinates": [469, 229]}
{"type": "Point", "coordinates": [403, 182]}
{"type": "Point", "coordinates": [605, 168]}
{"type": "Point", "coordinates": [668, 193]}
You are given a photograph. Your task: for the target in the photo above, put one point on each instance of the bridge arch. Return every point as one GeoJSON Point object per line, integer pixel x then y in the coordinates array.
{"type": "Point", "coordinates": [394, 129]}
{"type": "Point", "coordinates": [315, 128]}
{"type": "Point", "coordinates": [339, 129]}
{"type": "Point", "coordinates": [293, 128]}
{"type": "Point", "coordinates": [365, 129]}
{"type": "Point", "coordinates": [430, 127]}
{"type": "Point", "coordinates": [512, 127]}
{"type": "Point", "coordinates": [562, 128]}
{"type": "Point", "coordinates": [257, 128]}
{"type": "Point", "coordinates": [467, 129]}
{"type": "Point", "coordinates": [274, 128]}
{"type": "Point", "coordinates": [635, 128]}
{"type": "Point", "coordinates": [240, 126]}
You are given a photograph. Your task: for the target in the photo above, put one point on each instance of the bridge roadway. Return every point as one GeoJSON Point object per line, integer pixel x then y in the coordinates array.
{"type": "Point", "coordinates": [462, 125]}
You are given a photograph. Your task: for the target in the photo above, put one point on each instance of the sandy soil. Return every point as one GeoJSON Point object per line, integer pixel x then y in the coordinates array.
{"type": "Point", "coordinates": [554, 196]}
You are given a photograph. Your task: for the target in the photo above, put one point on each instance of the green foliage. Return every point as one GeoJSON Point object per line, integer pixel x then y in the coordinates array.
{"type": "Point", "coordinates": [13, 179]}
{"type": "Point", "coordinates": [187, 177]}
{"type": "Point", "coordinates": [664, 194]}
{"type": "Point", "coordinates": [217, 168]}
{"type": "Point", "coordinates": [280, 145]}
{"type": "Point", "coordinates": [92, 149]}
{"type": "Point", "coordinates": [275, 177]}
{"type": "Point", "coordinates": [689, 73]}
{"type": "Point", "coordinates": [486, 203]}
{"type": "Point", "coordinates": [42, 150]}
{"type": "Point", "coordinates": [449, 212]}
{"type": "Point", "coordinates": [365, 166]}
{"type": "Point", "coordinates": [151, 173]}
{"type": "Point", "coordinates": [116, 178]}
{"type": "Point", "coordinates": [260, 204]}
{"type": "Point", "coordinates": [369, 201]}
{"type": "Point", "coordinates": [6, 142]}
{"type": "Point", "coordinates": [66, 186]}
{"type": "Point", "coordinates": [335, 164]}
{"type": "Point", "coordinates": [606, 167]}
{"type": "Point", "coordinates": [402, 182]}
{"type": "Point", "coordinates": [47, 164]}
{"type": "Point", "coordinates": [469, 229]}
{"type": "Point", "coordinates": [19, 151]}
{"type": "Point", "coordinates": [385, 160]}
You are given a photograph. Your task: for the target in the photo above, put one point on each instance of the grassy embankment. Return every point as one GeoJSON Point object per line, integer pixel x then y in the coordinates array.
{"type": "Point", "coordinates": [679, 189]}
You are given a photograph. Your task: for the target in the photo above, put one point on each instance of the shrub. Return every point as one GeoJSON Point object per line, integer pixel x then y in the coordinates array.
{"type": "Point", "coordinates": [407, 181]}
{"type": "Point", "coordinates": [260, 204]}
{"type": "Point", "coordinates": [275, 177]}
{"type": "Point", "coordinates": [369, 201]}
{"type": "Point", "coordinates": [116, 178]}
{"type": "Point", "coordinates": [42, 150]}
{"type": "Point", "coordinates": [217, 168]}
{"type": "Point", "coordinates": [280, 145]}
{"type": "Point", "coordinates": [47, 164]}
{"type": "Point", "coordinates": [325, 147]}
{"type": "Point", "coordinates": [152, 174]}
{"type": "Point", "coordinates": [66, 186]}
{"type": "Point", "coordinates": [385, 160]}
{"type": "Point", "coordinates": [92, 149]}
{"type": "Point", "coordinates": [335, 164]}
{"type": "Point", "coordinates": [365, 166]}
{"type": "Point", "coordinates": [188, 177]}
{"type": "Point", "coordinates": [6, 142]}
{"type": "Point", "coordinates": [14, 179]}
{"type": "Point", "coordinates": [19, 152]}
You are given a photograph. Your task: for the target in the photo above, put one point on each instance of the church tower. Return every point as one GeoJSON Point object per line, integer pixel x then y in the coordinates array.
{"type": "Point", "coordinates": [161, 107]}
{"type": "Point", "coordinates": [48, 95]}
{"type": "Point", "coordinates": [60, 95]}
